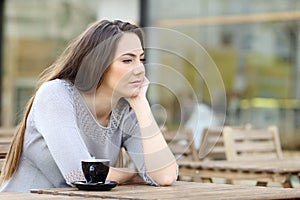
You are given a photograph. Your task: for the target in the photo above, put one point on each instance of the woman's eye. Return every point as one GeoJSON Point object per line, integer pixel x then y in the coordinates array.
{"type": "Point", "coordinates": [127, 61]}
{"type": "Point", "coordinates": [143, 60]}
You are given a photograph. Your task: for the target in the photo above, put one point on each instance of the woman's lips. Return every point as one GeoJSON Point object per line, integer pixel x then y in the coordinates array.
{"type": "Point", "coordinates": [136, 83]}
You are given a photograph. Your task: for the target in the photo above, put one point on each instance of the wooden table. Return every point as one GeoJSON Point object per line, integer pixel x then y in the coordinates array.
{"type": "Point", "coordinates": [260, 171]}
{"type": "Point", "coordinates": [180, 190]}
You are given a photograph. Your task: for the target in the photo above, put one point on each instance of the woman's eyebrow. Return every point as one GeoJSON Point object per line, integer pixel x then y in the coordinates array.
{"type": "Point", "coordinates": [132, 54]}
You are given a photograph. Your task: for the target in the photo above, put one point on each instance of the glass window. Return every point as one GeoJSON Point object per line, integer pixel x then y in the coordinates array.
{"type": "Point", "coordinates": [35, 33]}
{"type": "Point", "coordinates": [254, 46]}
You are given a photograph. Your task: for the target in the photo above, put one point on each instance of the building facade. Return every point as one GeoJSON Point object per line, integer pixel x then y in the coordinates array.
{"type": "Point", "coordinates": [251, 46]}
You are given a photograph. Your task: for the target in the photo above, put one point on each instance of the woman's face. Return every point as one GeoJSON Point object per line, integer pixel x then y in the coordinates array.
{"type": "Point", "coordinates": [126, 74]}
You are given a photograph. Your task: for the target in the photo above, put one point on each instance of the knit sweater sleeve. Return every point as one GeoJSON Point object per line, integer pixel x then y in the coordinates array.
{"type": "Point", "coordinates": [54, 117]}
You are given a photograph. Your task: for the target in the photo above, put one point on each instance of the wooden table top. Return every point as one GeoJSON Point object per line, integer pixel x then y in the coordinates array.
{"type": "Point", "coordinates": [180, 190]}
{"type": "Point", "coordinates": [269, 166]}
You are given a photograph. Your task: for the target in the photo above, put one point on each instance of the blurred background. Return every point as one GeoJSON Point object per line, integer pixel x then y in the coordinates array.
{"type": "Point", "coordinates": [255, 45]}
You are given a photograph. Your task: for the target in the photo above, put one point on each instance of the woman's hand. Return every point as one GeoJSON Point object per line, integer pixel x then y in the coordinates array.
{"type": "Point", "coordinates": [124, 175]}
{"type": "Point", "coordinates": [140, 96]}
{"type": "Point", "coordinates": [136, 179]}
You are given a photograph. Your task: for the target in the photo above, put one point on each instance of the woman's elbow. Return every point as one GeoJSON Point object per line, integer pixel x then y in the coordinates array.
{"type": "Point", "coordinates": [166, 180]}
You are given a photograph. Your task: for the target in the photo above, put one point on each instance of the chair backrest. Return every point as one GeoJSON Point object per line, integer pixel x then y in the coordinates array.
{"type": "Point", "coordinates": [212, 145]}
{"type": "Point", "coordinates": [181, 144]}
{"type": "Point", "coordinates": [6, 135]}
{"type": "Point", "coordinates": [4, 147]}
{"type": "Point", "coordinates": [252, 144]}
{"type": "Point", "coordinates": [7, 132]}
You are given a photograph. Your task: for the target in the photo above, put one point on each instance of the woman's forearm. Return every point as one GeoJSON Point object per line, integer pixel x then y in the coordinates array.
{"type": "Point", "coordinates": [123, 175]}
{"type": "Point", "coordinates": [159, 160]}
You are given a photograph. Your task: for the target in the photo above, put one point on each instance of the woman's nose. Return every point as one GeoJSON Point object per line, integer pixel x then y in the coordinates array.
{"type": "Point", "coordinates": [139, 69]}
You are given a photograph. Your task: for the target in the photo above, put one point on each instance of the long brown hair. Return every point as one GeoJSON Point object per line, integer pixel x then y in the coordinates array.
{"type": "Point", "coordinates": [82, 63]}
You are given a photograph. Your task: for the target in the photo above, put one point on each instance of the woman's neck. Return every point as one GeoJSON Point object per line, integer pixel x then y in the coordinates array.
{"type": "Point", "coordinates": [101, 104]}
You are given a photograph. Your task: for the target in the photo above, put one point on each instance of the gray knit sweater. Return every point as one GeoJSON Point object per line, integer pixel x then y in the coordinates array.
{"type": "Point", "coordinates": [61, 131]}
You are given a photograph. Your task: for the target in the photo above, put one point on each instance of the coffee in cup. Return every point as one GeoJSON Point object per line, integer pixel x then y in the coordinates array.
{"type": "Point", "coordinates": [95, 170]}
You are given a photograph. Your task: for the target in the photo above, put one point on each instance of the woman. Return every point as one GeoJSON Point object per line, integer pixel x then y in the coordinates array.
{"type": "Point", "coordinates": [90, 103]}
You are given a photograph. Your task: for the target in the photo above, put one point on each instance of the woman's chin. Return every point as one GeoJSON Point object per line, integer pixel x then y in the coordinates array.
{"type": "Point", "coordinates": [135, 93]}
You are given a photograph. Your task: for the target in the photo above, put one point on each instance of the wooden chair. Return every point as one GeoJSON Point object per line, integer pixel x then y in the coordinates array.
{"type": "Point", "coordinates": [212, 145]}
{"type": "Point", "coordinates": [123, 159]}
{"type": "Point", "coordinates": [181, 144]}
{"type": "Point", "coordinates": [252, 144]}
{"type": "Point", "coordinates": [241, 144]}
{"type": "Point", "coordinates": [6, 134]}
{"type": "Point", "coordinates": [4, 147]}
